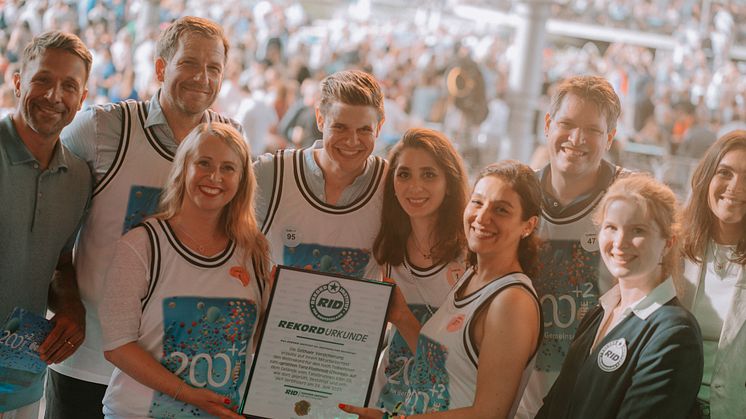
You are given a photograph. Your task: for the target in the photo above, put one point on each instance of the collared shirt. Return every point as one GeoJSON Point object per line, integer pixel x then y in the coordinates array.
{"type": "Point", "coordinates": [40, 212]}
{"type": "Point", "coordinates": [555, 209]}
{"type": "Point", "coordinates": [265, 178]}
{"type": "Point", "coordinates": [649, 365]}
{"type": "Point", "coordinates": [642, 308]}
{"type": "Point", "coordinates": [104, 124]}
{"type": "Point", "coordinates": [95, 133]}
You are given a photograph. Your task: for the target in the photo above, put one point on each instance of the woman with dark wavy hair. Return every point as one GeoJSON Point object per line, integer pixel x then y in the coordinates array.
{"type": "Point", "coordinates": [475, 354]}
{"type": "Point", "coordinates": [421, 241]}
{"type": "Point", "coordinates": [715, 286]}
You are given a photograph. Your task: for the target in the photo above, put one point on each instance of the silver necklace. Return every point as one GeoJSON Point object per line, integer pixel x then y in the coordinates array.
{"type": "Point", "coordinates": [721, 257]}
{"type": "Point", "coordinates": [201, 248]}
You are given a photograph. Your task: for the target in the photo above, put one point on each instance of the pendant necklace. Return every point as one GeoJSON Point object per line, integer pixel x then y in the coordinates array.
{"type": "Point", "coordinates": [428, 255]}
{"type": "Point", "coordinates": [201, 248]}
{"type": "Point", "coordinates": [721, 257]}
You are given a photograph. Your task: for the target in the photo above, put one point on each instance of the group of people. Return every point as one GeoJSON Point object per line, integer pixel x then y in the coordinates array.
{"type": "Point", "coordinates": [570, 292]}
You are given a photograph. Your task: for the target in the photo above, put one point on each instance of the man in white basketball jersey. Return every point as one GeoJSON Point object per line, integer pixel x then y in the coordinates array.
{"type": "Point", "coordinates": [320, 206]}
{"type": "Point", "coordinates": [579, 128]}
{"type": "Point", "coordinates": [129, 147]}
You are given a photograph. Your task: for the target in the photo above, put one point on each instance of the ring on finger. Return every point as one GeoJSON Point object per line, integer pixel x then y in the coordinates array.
{"type": "Point", "coordinates": [69, 343]}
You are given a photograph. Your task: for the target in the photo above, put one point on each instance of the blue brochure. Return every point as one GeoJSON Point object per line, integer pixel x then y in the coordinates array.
{"type": "Point", "coordinates": [21, 369]}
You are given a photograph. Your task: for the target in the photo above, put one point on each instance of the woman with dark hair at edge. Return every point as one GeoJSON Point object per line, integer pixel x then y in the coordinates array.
{"type": "Point", "coordinates": [490, 322]}
{"type": "Point", "coordinates": [714, 286]}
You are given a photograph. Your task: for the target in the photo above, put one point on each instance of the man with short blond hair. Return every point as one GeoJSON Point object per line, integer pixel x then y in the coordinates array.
{"type": "Point", "coordinates": [44, 189]}
{"type": "Point", "coordinates": [320, 206]}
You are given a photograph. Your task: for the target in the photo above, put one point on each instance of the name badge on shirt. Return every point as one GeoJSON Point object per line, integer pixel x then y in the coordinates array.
{"type": "Point", "coordinates": [612, 355]}
{"type": "Point", "coordinates": [589, 242]}
{"type": "Point", "coordinates": [291, 237]}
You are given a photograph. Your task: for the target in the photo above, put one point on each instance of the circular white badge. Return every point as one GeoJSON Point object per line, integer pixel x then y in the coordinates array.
{"type": "Point", "coordinates": [612, 355]}
{"type": "Point", "coordinates": [291, 237]}
{"type": "Point", "coordinates": [589, 242]}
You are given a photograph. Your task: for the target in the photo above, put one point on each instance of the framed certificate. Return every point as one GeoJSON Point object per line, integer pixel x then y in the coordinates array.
{"type": "Point", "coordinates": [319, 345]}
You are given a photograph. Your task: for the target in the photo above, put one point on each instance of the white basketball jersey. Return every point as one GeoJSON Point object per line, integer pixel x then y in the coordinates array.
{"type": "Point", "coordinates": [305, 232]}
{"type": "Point", "coordinates": [444, 375]}
{"type": "Point", "coordinates": [124, 197]}
{"type": "Point", "coordinates": [424, 289]}
{"type": "Point", "coordinates": [570, 279]}
{"type": "Point", "coordinates": [198, 320]}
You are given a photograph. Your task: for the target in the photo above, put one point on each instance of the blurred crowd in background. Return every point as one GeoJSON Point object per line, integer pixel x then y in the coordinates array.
{"type": "Point", "coordinates": [675, 100]}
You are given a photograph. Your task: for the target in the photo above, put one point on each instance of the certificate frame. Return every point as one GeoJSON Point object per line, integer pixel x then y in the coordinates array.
{"type": "Point", "coordinates": [321, 313]}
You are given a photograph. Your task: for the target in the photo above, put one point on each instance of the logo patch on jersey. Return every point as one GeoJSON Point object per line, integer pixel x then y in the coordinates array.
{"type": "Point", "coordinates": [330, 302]}
{"type": "Point", "coordinates": [454, 273]}
{"type": "Point", "coordinates": [612, 355]}
{"type": "Point", "coordinates": [240, 273]}
{"type": "Point", "coordinates": [455, 323]}
{"type": "Point", "coordinates": [142, 203]}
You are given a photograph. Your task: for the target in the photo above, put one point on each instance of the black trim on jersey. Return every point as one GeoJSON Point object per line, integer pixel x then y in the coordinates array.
{"type": "Point", "coordinates": [370, 190]}
{"type": "Point", "coordinates": [194, 258]}
{"type": "Point", "coordinates": [420, 272]}
{"type": "Point", "coordinates": [575, 217]}
{"type": "Point", "coordinates": [471, 349]}
{"type": "Point", "coordinates": [590, 203]}
{"type": "Point", "coordinates": [468, 299]}
{"type": "Point", "coordinates": [124, 139]}
{"type": "Point", "coordinates": [259, 280]}
{"type": "Point", "coordinates": [212, 116]}
{"type": "Point", "coordinates": [274, 198]}
{"type": "Point", "coordinates": [155, 262]}
{"type": "Point", "coordinates": [142, 112]}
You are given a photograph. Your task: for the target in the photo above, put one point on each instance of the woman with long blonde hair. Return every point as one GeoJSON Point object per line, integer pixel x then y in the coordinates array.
{"type": "Point", "coordinates": [184, 290]}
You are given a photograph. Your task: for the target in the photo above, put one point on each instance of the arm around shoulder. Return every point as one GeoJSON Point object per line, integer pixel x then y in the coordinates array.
{"type": "Point", "coordinates": [95, 136]}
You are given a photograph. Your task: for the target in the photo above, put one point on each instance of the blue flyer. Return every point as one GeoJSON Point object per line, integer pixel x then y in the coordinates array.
{"type": "Point", "coordinates": [21, 369]}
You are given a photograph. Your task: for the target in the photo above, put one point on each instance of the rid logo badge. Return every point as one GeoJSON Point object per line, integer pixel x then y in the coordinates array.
{"type": "Point", "coordinates": [330, 302]}
{"type": "Point", "coordinates": [612, 355]}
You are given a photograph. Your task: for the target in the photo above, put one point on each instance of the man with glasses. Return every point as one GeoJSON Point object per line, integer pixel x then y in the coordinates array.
{"type": "Point", "coordinates": [579, 128]}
